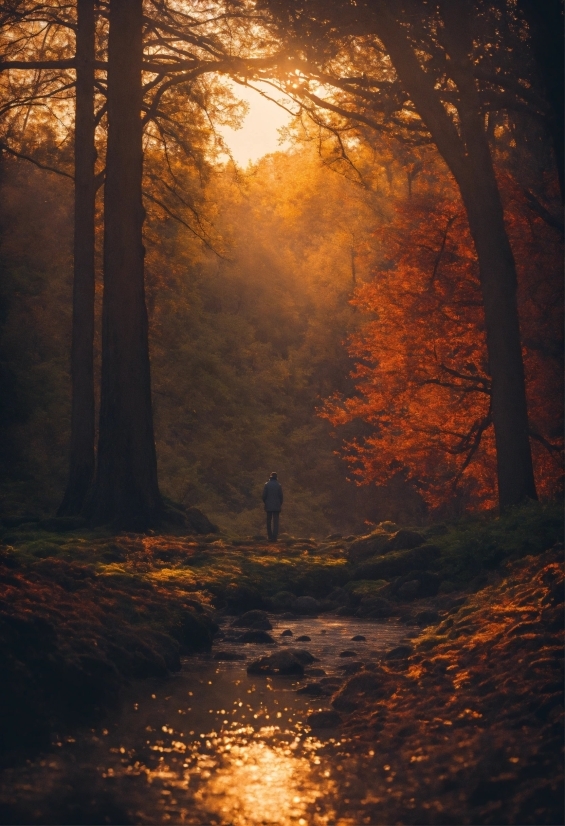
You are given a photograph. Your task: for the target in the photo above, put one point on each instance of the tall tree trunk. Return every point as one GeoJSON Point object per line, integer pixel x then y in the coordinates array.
{"type": "Point", "coordinates": [126, 492]}
{"type": "Point", "coordinates": [81, 469]}
{"type": "Point", "coordinates": [481, 196]}
{"type": "Point", "coordinates": [468, 156]}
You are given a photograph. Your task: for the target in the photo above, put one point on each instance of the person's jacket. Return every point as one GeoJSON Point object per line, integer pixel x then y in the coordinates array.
{"type": "Point", "coordinates": [272, 495]}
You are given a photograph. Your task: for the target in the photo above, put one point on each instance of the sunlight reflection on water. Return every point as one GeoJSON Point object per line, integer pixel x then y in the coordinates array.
{"type": "Point", "coordinates": [258, 783]}
{"type": "Point", "coordinates": [214, 746]}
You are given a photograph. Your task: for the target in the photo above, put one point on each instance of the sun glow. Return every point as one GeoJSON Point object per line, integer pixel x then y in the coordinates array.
{"type": "Point", "coordinates": [259, 134]}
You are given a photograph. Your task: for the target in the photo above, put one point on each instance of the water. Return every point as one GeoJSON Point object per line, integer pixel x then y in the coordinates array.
{"type": "Point", "coordinates": [213, 745]}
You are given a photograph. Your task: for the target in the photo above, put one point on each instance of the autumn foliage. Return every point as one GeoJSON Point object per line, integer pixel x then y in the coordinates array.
{"type": "Point", "coordinates": [421, 376]}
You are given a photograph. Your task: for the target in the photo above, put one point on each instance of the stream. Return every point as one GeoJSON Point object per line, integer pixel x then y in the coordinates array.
{"type": "Point", "coordinates": [214, 745]}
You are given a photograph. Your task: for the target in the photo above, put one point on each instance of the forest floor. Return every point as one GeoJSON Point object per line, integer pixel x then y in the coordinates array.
{"type": "Point", "coordinates": [469, 716]}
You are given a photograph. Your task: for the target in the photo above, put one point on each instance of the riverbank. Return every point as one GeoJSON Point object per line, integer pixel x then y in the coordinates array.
{"type": "Point", "coordinates": [467, 715]}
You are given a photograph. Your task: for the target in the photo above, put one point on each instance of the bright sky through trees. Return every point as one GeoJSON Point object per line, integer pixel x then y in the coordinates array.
{"type": "Point", "coordinates": [259, 134]}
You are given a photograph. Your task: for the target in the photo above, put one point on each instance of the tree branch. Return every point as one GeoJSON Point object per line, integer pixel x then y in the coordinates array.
{"type": "Point", "coordinates": [4, 147]}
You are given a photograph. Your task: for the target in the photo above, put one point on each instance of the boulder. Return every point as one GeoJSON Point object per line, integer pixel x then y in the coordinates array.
{"type": "Point", "coordinates": [338, 595]}
{"type": "Point", "coordinates": [375, 608]}
{"type": "Point", "coordinates": [401, 652]}
{"type": "Point", "coordinates": [258, 636]}
{"type": "Point", "coordinates": [286, 633]}
{"type": "Point", "coordinates": [282, 601]}
{"type": "Point", "coordinates": [428, 585]}
{"type": "Point", "coordinates": [304, 638]}
{"type": "Point", "coordinates": [345, 704]}
{"type": "Point", "coordinates": [253, 619]}
{"type": "Point", "coordinates": [427, 617]}
{"type": "Point", "coordinates": [358, 638]}
{"type": "Point", "coordinates": [351, 668]}
{"type": "Point", "coordinates": [370, 545]}
{"type": "Point", "coordinates": [281, 663]}
{"type": "Point", "coordinates": [404, 540]}
{"type": "Point", "coordinates": [306, 605]}
{"type": "Point", "coordinates": [409, 590]}
{"type": "Point", "coordinates": [304, 657]}
{"type": "Point", "coordinates": [373, 685]}
{"type": "Point", "coordinates": [313, 690]}
{"type": "Point", "coordinates": [323, 719]}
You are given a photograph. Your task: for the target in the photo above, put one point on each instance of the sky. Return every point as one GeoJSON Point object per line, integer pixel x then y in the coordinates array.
{"type": "Point", "coordinates": [258, 135]}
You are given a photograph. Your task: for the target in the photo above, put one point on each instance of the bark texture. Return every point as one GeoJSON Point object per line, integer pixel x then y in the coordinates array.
{"type": "Point", "coordinates": [126, 492]}
{"type": "Point", "coordinates": [81, 465]}
{"type": "Point", "coordinates": [467, 154]}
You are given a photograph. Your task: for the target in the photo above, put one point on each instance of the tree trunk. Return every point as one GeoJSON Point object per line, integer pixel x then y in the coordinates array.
{"type": "Point", "coordinates": [126, 492]}
{"type": "Point", "coordinates": [81, 469]}
{"type": "Point", "coordinates": [481, 196]}
{"type": "Point", "coordinates": [468, 156]}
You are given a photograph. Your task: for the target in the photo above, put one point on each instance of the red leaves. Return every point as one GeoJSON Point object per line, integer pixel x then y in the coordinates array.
{"type": "Point", "coordinates": [422, 377]}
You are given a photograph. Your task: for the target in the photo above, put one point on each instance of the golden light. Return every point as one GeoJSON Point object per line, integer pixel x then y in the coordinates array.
{"type": "Point", "coordinates": [259, 134]}
{"type": "Point", "coordinates": [262, 784]}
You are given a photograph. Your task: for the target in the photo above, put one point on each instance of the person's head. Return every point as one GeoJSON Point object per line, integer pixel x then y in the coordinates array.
{"type": "Point", "coordinates": [273, 475]}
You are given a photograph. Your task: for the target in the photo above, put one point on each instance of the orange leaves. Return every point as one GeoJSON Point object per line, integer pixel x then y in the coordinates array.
{"type": "Point", "coordinates": [421, 377]}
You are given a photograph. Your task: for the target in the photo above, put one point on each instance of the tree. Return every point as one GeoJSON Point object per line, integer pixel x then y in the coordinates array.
{"type": "Point", "coordinates": [82, 458]}
{"type": "Point", "coordinates": [126, 492]}
{"type": "Point", "coordinates": [421, 377]}
{"type": "Point", "coordinates": [173, 68]}
{"type": "Point", "coordinates": [431, 89]}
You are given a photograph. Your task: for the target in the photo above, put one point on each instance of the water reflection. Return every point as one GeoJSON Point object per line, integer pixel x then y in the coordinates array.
{"type": "Point", "coordinates": [258, 783]}
{"type": "Point", "coordinates": [212, 746]}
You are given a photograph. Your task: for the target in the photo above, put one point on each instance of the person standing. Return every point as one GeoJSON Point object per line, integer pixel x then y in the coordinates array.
{"type": "Point", "coordinates": [273, 499]}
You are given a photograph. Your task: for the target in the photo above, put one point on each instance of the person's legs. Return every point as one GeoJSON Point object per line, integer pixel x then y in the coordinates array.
{"type": "Point", "coordinates": [269, 531]}
{"type": "Point", "coordinates": [275, 525]}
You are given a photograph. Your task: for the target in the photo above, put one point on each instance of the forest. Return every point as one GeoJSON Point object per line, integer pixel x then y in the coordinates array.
{"type": "Point", "coordinates": [374, 311]}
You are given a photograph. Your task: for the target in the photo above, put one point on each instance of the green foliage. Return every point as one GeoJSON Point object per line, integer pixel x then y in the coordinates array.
{"type": "Point", "coordinates": [474, 546]}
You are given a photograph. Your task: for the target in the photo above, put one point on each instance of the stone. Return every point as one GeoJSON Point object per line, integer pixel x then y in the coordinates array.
{"type": "Point", "coordinates": [370, 545]}
{"type": "Point", "coordinates": [281, 663]}
{"type": "Point", "coordinates": [312, 690]}
{"type": "Point", "coordinates": [304, 638]}
{"type": "Point", "coordinates": [358, 638]}
{"type": "Point", "coordinates": [427, 617]}
{"type": "Point", "coordinates": [282, 601]}
{"type": "Point", "coordinates": [323, 719]}
{"type": "Point", "coordinates": [306, 605]}
{"type": "Point", "coordinates": [304, 657]}
{"type": "Point", "coordinates": [228, 656]}
{"type": "Point", "coordinates": [338, 595]}
{"type": "Point", "coordinates": [341, 703]}
{"type": "Point", "coordinates": [253, 619]}
{"type": "Point", "coordinates": [348, 653]}
{"type": "Point", "coordinates": [258, 636]}
{"type": "Point", "coordinates": [405, 540]}
{"type": "Point", "coordinates": [375, 608]}
{"type": "Point", "coordinates": [346, 611]}
{"type": "Point", "coordinates": [401, 652]}
{"type": "Point", "coordinates": [409, 590]}
{"type": "Point", "coordinates": [286, 633]}
{"type": "Point", "coordinates": [351, 668]}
